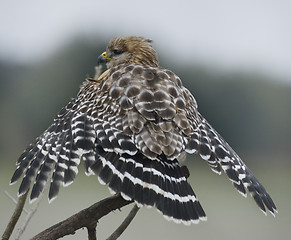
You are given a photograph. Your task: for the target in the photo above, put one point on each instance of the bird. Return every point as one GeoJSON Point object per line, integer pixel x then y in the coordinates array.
{"type": "Point", "coordinates": [131, 127]}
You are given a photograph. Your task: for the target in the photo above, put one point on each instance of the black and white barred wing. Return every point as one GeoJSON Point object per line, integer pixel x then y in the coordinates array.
{"type": "Point", "coordinates": [91, 127]}
{"type": "Point", "coordinates": [56, 153]}
{"type": "Point", "coordinates": [121, 161]}
{"type": "Point", "coordinates": [159, 183]}
{"type": "Point", "coordinates": [220, 156]}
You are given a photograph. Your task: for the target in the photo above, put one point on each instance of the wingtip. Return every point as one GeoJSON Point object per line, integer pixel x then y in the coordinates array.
{"type": "Point", "coordinates": [273, 212]}
{"type": "Point", "coordinates": [12, 182]}
{"type": "Point", "coordinates": [244, 194]}
{"type": "Point", "coordinates": [204, 218]}
{"type": "Point", "coordinates": [50, 200]}
{"type": "Point", "coordinates": [66, 184]}
{"type": "Point", "coordinates": [32, 200]}
{"type": "Point", "coordinates": [19, 194]}
{"type": "Point", "coordinates": [264, 212]}
{"type": "Point", "coordinates": [101, 181]}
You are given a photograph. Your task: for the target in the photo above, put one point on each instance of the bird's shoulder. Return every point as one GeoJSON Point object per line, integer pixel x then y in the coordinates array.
{"type": "Point", "coordinates": [147, 83]}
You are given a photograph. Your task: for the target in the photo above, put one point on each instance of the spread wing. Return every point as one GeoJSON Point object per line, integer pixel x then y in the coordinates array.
{"type": "Point", "coordinates": [220, 156]}
{"type": "Point", "coordinates": [130, 127]}
{"type": "Point", "coordinates": [106, 126]}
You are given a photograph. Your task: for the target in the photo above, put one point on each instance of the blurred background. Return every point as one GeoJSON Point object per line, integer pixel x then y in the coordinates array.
{"type": "Point", "coordinates": [235, 58]}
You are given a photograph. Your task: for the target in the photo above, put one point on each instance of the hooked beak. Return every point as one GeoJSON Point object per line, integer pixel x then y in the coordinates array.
{"type": "Point", "coordinates": [103, 58]}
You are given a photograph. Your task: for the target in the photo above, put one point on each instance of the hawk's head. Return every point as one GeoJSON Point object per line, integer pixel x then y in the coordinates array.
{"type": "Point", "coordinates": [129, 50]}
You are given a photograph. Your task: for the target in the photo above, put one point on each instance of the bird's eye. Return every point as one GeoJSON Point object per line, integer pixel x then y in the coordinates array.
{"type": "Point", "coordinates": [117, 51]}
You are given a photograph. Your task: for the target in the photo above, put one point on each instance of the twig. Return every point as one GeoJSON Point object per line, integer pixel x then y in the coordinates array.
{"type": "Point", "coordinates": [124, 224]}
{"type": "Point", "coordinates": [92, 231]}
{"type": "Point", "coordinates": [16, 214]}
{"type": "Point", "coordinates": [84, 218]}
{"type": "Point", "coordinates": [14, 200]}
{"type": "Point", "coordinates": [31, 213]}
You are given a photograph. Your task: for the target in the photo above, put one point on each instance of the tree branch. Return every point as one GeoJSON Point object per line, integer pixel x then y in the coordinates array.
{"type": "Point", "coordinates": [124, 224]}
{"type": "Point", "coordinates": [14, 200]}
{"type": "Point", "coordinates": [92, 231]}
{"type": "Point", "coordinates": [30, 213]}
{"type": "Point", "coordinates": [16, 214]}
{"type": "Point", "coordinates": [85, 218]}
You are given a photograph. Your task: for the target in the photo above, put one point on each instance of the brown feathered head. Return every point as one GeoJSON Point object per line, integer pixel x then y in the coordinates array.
{"type": "Point", "coordinates": [129, 50]}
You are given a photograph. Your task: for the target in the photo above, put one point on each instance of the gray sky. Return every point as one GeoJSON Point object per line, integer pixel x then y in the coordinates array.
{"type": "Point", "coordinates": [245, 35]}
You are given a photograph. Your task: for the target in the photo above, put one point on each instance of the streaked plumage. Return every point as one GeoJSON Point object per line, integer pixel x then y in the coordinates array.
{"type": "Point", "coordinates": [130, 126]}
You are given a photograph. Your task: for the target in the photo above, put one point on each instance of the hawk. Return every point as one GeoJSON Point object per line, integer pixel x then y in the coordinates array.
{"type": "Point", "coordinates": [130, 127]}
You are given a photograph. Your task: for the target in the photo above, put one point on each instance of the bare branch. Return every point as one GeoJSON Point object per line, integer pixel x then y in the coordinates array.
{"type": "Point", "coordinates": [84, 218]}
{"type": "Point", "coordinates": [92, 231]}
{"type": "Point", "coordinates": [14, 200]}
{"type": "Point", "coordinates": [15, 217]}
{"type": "Point", "coordinates": [31, 213]}
{"type": "Point", "coordinates": [124, 224]}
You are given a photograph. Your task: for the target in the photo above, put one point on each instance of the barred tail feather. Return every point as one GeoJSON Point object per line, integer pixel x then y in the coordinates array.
{"type": "Point", "coordinates": [159, 183]}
